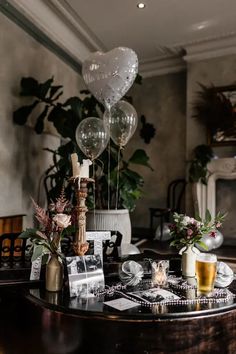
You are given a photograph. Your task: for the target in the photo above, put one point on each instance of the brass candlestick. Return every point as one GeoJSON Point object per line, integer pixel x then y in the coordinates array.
{"type": "Point", "coordinates": [80, 245]}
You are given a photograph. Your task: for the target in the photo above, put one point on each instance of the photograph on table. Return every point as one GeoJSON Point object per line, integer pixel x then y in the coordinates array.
{"type": "Point", "coordinates": [85, 275]}
{"type": "Point", "coordinates": [154, 295]}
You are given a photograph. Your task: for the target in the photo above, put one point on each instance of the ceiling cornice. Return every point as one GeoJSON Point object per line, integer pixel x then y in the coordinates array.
{"type": "Point", "coordinates": [211, 48]}
{"type": "Point", "coordinates": [68, 15]}
{"type": "Point", "coordinates": [55, 25]}
{"type": "Point", "coordinates": [161, 65]}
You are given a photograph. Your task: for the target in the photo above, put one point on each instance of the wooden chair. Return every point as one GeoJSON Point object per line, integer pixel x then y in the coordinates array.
{"type": "Point", "coordinates": [175, 193]}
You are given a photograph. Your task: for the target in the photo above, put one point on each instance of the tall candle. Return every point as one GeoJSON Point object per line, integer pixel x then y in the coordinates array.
{"type": "Point", "coordinates": [75, 165]}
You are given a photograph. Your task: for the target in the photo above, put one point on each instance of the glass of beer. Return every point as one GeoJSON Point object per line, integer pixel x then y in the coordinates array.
{"type": "Point", "coordinates": [205, 272]}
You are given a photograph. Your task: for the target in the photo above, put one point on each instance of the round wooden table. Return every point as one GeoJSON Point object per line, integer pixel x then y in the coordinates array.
{"type": "Point", "coordinates": [72, 325]}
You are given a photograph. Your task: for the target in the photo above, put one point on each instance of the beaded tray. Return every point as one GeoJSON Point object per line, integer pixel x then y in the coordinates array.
{"type": "Point", "coordinates": [176, 292]}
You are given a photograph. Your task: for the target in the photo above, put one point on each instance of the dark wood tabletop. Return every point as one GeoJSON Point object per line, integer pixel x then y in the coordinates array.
{"type": "Point", "coordinates": [34, 321]}
{"type": "Point", "coordinates": [95, 306]}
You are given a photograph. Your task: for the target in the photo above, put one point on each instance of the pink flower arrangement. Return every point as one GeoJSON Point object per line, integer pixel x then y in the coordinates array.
{"type": "Point", "coordinates": [189, 231]}
{"type": "Point", "coordinates": [53, 223]}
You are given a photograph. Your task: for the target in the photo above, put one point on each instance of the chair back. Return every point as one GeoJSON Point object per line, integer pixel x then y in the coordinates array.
{"type": "Point", "coordinates": [14, 252]}
{"type": "Point", "coordinates": [175, 193]}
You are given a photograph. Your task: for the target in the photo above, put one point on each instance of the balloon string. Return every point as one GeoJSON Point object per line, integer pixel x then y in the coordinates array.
{"type": "Point", "coordinates": [94, 199]}
{"type": "Point", "coordinates": [109, 163]}
{"type": "Point", "coordinates": [118, 178]}
{"type": "Point", "coordinates": [117, 188]}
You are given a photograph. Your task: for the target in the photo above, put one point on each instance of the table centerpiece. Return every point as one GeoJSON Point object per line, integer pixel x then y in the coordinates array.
{"type": "Point", "coordinates": [188, 232]}
{"type": "Point", "coordinates": [46, 239]}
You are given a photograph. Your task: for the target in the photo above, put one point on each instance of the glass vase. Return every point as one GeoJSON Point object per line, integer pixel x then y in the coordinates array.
{"type": "Point", "coordinates": [54, 274]}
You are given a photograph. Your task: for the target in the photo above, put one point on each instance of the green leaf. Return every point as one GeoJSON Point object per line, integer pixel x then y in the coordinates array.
{"type": "Point", "coordinates": [38, 251]}
{"type": "Point", "coordinates": [45, 258]}
{"type": "Point", "coordinates": [134, 176]}
{"type": "Point", "coordinates": [53, 91]}
{"type": "Point", "coordinates": [55, 113]}
{"type": "Point", "coordinates": [21, 115]}
{"type": "Point", "coordinates": [29, 86]}
{"type": "Point", "coordinates": [44, 88]}
{"type": "Point", "coordinates": [207, 216]}
{"type": "Point", "coordinates": [64, 121]}
{"type": "Point", "coordinates": [39, 126]}
{"type": "Point", "coordinates": [74, 102]}
{"type": "Point", "coordinates": [140, 157]}
{"type": "Point", "coordinates": [197, 217]}
{"type": "Point", "coordinates": [203, 245]}
{"type": "Point", "coordinates": [70, 230]}
{"type": "Point", "coordinates": [28, 233]}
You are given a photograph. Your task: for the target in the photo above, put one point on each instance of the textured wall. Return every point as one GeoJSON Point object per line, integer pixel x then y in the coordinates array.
{"type": "Point", "coordinates": [163, 101]}
{"type": "Point", "coordinates": [219, 72]}
{"type": "Point", "coordinates": [22, 159]}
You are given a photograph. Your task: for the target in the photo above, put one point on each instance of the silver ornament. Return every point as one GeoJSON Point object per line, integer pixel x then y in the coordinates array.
{"type": "Point", "coordinates": [208, 241]}
{"type": "Point", "coordinates": [218, 239]}
{"type": "Point", "coordinates": [165, 233]}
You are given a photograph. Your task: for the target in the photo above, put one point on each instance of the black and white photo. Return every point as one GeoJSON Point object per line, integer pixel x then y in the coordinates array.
{"type": "Point", "coordinates": [85, 275]}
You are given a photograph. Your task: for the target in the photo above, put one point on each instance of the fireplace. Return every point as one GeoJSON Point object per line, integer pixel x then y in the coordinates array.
{"type": "Point", "coordinates": [219, 195]}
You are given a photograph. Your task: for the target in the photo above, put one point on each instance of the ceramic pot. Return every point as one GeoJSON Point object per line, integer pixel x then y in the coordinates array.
{"type": "Point", "coordinates": [189, 254]}
{"type": "Point", "coordinates": [54, 274]}
{"type": "Point", "coordinates": [114, 220]}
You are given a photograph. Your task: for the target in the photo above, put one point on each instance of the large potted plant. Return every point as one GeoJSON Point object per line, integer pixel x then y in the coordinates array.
{"type": "Point", "coordinates": [65, 117]}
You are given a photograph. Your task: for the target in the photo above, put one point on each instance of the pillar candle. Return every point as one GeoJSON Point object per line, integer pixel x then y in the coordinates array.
{"type": "Point", "coordinates": [84, 169]}
{"type": "Point", "coordinates": [75, 165]}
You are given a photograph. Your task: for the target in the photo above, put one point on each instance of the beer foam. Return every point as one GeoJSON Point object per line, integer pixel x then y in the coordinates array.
{"type": "Point", "coordinates": [206, 257]}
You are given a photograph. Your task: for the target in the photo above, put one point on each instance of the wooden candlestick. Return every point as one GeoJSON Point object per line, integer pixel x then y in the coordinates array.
{"type": "Point", "coordinates": [80, 244]}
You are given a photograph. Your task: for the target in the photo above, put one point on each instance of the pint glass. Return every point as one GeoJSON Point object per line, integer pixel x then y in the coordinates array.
{"type": "Point", "coordinates": [205, 272]}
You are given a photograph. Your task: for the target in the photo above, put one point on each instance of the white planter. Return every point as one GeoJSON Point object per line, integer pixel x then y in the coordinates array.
{"type": "Point", "coordinates": [114, 220]}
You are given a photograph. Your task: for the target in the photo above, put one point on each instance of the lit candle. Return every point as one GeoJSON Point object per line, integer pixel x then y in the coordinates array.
{"type": "Point", "coordinates": [159, 274]}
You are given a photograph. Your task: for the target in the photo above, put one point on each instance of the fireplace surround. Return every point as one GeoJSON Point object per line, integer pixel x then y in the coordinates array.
{"type": "Point", "coordinates": [205, 196]}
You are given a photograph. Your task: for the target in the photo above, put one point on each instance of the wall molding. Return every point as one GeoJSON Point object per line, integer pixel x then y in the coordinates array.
{"type": "Point", "coordinates": [211, 48]}
{"type": "Point", "coordinates": [161, 65]}
{"type": "Point", "coordinates": [44, 23]}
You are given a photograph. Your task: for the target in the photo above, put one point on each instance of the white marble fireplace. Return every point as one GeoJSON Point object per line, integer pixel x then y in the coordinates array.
{"type": "Point", "coordinates": [219, 194]}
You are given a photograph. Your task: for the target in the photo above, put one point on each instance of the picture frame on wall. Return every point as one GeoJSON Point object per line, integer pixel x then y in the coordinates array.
{"type": "Point", "coordinates": [215, 107]}
{"type": "Point", "coordinates": [225, 134]}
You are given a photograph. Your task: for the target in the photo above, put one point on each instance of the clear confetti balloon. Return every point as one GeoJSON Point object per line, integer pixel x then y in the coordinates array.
{"type": "Point", "coordinates": [121, 122]}
{"type": "Point", "coordinates": [92, 137]}
{"type": "Point", "coordinates": [109, 75]}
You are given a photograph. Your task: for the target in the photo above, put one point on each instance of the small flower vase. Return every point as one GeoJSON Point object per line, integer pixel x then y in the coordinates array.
{"type": "Point", "coordinates": [54, 274]}
{"type": "Point", "coordinates": [189, 254]}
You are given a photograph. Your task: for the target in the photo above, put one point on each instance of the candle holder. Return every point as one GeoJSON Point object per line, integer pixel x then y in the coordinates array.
{"type": "Point", "coordinates": [80, 245]}
{"type": "Point", "coordinates": [160, 273]}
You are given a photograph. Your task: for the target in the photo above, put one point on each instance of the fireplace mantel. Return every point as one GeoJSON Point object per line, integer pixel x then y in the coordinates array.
{"type": "Point", "coordinates": [205, 195]}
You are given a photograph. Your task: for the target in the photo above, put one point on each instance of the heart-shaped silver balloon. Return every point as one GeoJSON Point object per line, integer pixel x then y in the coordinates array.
{"type": "Point", "coordinates": [109, 76]}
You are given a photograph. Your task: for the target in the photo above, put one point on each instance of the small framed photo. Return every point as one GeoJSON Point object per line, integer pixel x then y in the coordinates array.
{"type": "Point", "coordinates": [85, 275]}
